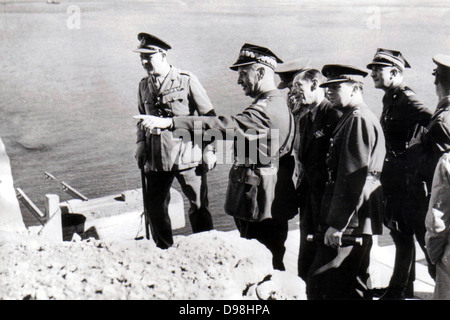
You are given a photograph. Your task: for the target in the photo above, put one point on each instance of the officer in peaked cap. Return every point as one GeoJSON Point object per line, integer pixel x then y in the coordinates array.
{"type": "Point", "coordinates": [270, 225]}
{"type": "Point", "coordinates": [404, 119]}
{"type": "Point", "coordinates": [256, 194]}
{"type": "Point", "coordinates": [351, 206]}
{"type": "Point", "coordinates": [338, 73]}
{"type": "Point", "coordinates": [167, 92]}
{"type": "Point", "coordinates": [389, 58]}
{"type": "Point", "coordinates": [437, 140]}
{"type": "Point", "coordinates": [251, 53]}
{"type": "Point", "coordinates": [151, 44]}
{"type": "Point", "coordinates": [442, 61]}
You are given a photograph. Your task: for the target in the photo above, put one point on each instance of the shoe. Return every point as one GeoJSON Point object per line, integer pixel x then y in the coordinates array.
{"type": "Point", "coordinates": [378, 292]}
{"type": "Point", "coordinates": [393, 294]}
{"type": "Point", "coordinates": [409, 290]}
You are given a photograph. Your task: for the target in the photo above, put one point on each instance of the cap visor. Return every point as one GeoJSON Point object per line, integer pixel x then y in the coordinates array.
{"type": "Point", "coordinates": [442, 60]}
{"type": "Point", "coordinates": [384, 64]}
{"type": "Point", "coordinates": [143, 50]}
{"type": "Point", "coordinates": [330, 82]}
{"type": "Point", "coordinates": [236, 66]}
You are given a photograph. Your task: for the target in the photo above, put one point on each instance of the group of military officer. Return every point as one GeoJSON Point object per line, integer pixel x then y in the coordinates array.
{"type": "Point", "coordinates": [330, 159]}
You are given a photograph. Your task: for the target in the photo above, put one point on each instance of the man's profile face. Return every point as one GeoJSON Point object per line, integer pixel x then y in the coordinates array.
{"type": "Point", "coordinates": [152, 62]}
{"type": "Point", "coordinates": [437, 83]}
{"type": "Point", "coordinates": [382, 76]}
{"type": "Point", "coordinates": [302, 90]}
{"type": "Point", "coordinates": [248, 80]}
{"type": "Point", "coordinates": [339, 94]}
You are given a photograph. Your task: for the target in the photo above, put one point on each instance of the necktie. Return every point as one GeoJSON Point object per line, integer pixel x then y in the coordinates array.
{"type": "Point", "coordinates": [306, 132]}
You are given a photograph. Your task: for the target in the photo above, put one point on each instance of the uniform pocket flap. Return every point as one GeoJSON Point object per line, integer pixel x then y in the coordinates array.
{"type": "Point", "coordinates": [171, 97]}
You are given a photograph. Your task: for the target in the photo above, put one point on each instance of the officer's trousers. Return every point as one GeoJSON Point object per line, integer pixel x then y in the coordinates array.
{"type": "Point", "coordinates": [307, 250]}
{"type": "Point", "coordinates": [194, 186]}
{"type": "Point", "coordinates": [340, 273]}
{"type": "Point", "coordinates": [404, 274]}
{"type": "Point", "coordinates": [270, 232]}
{"type": "Point", "coordinates": [405, 209]}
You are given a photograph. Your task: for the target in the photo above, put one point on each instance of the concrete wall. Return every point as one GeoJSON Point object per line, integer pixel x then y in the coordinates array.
{"type": "Point", "coordinates": [10, 215]}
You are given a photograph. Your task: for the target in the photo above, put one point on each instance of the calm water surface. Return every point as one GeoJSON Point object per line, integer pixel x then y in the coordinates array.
{"type": "Point", "coordinates": [68, 95]}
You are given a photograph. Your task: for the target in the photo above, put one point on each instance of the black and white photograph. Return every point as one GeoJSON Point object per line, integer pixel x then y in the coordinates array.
{"type": "Point", "coordinates": [223, 150]}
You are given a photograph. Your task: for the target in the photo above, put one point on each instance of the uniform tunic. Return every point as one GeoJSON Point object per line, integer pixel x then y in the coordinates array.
{"type": "Point", "coordinates": [262, 132]}
{"type": "Point", "coordinates": [404, 120]}
{"type": "Point", "coordinates": [355, 160]}
{"type": "Point", "coordinates": [436, 141]}
{"type": "Point", "coordinates": [438, 227]}
{"type": "Point", "coordinates": [169, 157]}
{"type": "Point", "coordinates": [180, 94]}
{"type": "Point", "coordinates": [265, 121]}
{"type": "Point", "coordinates": [437, 221]}
{"type": "Point", "coordinates": [352, 202]}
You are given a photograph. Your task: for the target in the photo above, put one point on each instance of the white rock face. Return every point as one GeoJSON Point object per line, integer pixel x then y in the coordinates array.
{"type": "Point", "coordinates": [211, 265]}
{"type": "Point", "coordinates": [10, 215]}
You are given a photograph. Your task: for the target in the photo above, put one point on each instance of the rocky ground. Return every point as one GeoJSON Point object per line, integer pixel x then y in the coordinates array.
{"type": "Point", "coordinates": [211, 265]}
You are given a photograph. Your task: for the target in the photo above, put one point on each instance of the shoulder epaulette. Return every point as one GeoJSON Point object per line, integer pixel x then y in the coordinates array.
{"type": "Point", "coordinates": [408, 91]}
{"type": "Point", "coordinates": [185, 73]}
{"type": "Point", "coordinates": [261, 103]}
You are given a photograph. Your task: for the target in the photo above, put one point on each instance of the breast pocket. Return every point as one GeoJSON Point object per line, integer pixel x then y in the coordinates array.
{"type": "Point", "coordinates": [176, 102]}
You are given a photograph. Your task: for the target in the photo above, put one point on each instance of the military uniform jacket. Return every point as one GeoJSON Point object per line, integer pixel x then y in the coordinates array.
{"type": "Point", "coordinates": [353, 194]}
{"type": "Point", "coordinates": [403, 120]}
{"type": "Point", "coordinates": [265, 127]}
{"type": "Point", "coordinates": [436, 140]}
{"type": "Point", "coordinates": [180, 94]}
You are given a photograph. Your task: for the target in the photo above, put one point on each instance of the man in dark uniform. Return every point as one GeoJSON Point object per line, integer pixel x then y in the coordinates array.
{"type": "Point", "coordinates": [403, 119]}
{"type": "Point", "coordinates": [311, 145]}
{"type": "Point", "coordinates": [437, 140]}
{"type": "Point", "coordinates": [167, 92]}
{"type": "Point", "coordinates": [352, 199]}
{"type": "Point", "coordinates": [263, 133]}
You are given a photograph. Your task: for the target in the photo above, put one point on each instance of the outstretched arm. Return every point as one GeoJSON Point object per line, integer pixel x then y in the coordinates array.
{"type": "Point", "coordinates": [152, 122]}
